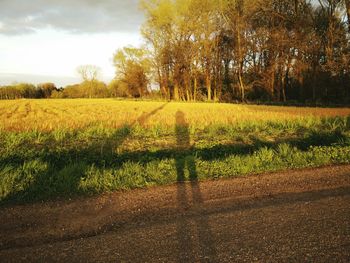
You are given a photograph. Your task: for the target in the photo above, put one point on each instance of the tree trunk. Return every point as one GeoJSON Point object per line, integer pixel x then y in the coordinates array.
{"type": "Point", "coordinates": [176, 91]}
{"type": "Point", "coordinates": [208, 84]}
{"type": "Point", "coordinates": [162, 86]}
{"type": "Point", "coordinates": [195, 89]}
{"type": "Point", "coordinates": [314, 72]}
{"type": "Point", "coordinates": [272, 84]}
{"type": "Point", "coordinates": [240, 64]}
{"type": "Point", "coordinates": [347, 6]}
{"type": "Point", "coordinates": [188, 96]}
{"type": "Point", "coordinates": [285, 84]}
{"type": "Point", "coordinates": [215, 90]}
{"type": "Point", "coordinates": [296, 7]}
{"type": "Point", "coordinates": [241, 85]}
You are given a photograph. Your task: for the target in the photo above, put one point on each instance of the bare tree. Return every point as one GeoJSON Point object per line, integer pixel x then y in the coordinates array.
{"type": "Point", "coordinates": [89, 74]}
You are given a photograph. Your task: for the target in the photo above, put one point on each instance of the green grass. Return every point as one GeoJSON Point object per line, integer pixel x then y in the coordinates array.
{"type": "Point", "coordinates": [37, 165]}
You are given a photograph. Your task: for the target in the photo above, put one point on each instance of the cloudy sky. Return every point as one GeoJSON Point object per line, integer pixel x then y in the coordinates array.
{"type": "Point", "coordinates": [45, 40]}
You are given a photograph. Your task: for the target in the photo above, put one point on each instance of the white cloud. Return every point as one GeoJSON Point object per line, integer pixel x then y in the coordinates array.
{"type": "Point", "coordinates": [79, 16]}
{"type": "Point", "coordinates": [53, 37]}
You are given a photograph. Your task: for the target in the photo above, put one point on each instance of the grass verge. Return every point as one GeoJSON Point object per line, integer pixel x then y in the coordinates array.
{"type": "Point", "coordinates": [37, 165]}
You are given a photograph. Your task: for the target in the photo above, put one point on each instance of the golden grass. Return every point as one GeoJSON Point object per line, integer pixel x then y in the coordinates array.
{"type": "Point", "coordinates": [48, 115]}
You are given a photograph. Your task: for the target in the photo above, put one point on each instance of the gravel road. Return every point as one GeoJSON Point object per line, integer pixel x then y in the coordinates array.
{"type": "Point", "coordinates": [294, 216]}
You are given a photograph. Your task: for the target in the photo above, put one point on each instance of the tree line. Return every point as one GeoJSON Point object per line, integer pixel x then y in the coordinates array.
{"type": "Point", "coordinates": [86, 89]}
{"type": "Point", "coordinates": [229, 50]}
{"type": "Point", "coordinates": [90, 87]}
{"type": "Point", "coordinates": [25, 90]}
{"type": "Point", "coordinates": [226, 50]}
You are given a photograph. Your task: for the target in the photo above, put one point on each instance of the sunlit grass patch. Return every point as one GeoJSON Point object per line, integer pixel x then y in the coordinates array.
{"type": "Point", "coordinates": [61, 148]}
{"type": "Point", "coordinates": [48, 115]}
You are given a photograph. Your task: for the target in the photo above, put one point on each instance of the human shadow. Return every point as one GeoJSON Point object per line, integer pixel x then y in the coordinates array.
{"type": "Point", "coordinates": [195, 238]}
{"type": "Point", "coordinates": [68, 164]}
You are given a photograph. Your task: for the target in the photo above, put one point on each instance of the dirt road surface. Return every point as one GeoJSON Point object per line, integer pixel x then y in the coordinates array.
{"type": "Point", "coordinates": [296, 216]}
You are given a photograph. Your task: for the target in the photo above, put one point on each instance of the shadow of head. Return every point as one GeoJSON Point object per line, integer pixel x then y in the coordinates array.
{"type": "Point", "coordinates": [180, 118]}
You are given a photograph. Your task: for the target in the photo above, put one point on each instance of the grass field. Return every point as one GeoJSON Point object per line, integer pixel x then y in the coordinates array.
{"type": "Point", "coordinates": [64, 148]}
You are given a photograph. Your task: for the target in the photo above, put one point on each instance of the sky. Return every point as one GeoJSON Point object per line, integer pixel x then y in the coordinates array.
{"type": "Point", "coordinates": [46, 40]}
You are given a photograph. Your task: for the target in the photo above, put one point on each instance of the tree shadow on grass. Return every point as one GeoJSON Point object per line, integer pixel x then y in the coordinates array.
{"type": "Point", "coordinates": [56, 173]}
{"type": "Point", "coordinates": [65, 167]}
